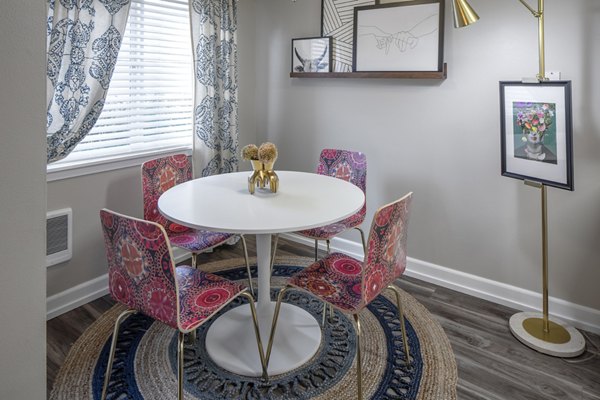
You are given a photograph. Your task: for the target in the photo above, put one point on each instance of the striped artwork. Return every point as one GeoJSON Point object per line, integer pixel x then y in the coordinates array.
{"type": "Point", "coordinates": [338, 22]}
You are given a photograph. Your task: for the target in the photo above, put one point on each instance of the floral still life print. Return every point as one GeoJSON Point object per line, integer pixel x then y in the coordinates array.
{"type": "Point", "coordinates": [535, 131]}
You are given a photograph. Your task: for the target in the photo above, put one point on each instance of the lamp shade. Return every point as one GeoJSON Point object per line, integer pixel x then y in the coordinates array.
{"type": "Point", "coordinates": [463, 14]}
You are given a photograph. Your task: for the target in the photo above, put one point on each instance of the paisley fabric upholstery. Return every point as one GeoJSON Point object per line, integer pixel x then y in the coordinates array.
{"type": "Point", "coordinates": [350, 285]}
{"type": "Point", "coordinates": [160, 175]}
{"type": "Point", "coordinates": [143, 277]}
{"type": "Point", "coordinates": [335, 279]}
{"type": "Point", "coordinates": [350, 166]}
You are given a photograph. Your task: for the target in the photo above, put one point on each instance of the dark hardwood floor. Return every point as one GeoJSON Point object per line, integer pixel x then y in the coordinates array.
{"type": "Point", "coordinates": [492, 364]}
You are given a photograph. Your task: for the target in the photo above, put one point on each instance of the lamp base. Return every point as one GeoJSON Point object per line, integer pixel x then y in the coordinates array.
{"type": "Point", "coordinates": [560, 341]}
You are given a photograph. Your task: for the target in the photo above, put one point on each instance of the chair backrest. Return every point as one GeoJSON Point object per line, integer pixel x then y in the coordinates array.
{"type": "Point", "coordinates": [141, 273]}
{"type": "Point", "coordinates": [386, 250]}
{"type": "Point", "coordinates": [350, 166]}
{"type": "Point", "coordinates": [158, 176]}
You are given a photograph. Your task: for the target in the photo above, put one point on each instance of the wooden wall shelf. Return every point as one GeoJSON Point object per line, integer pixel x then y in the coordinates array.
{"type": "Point", "coordinates": [386, 75]}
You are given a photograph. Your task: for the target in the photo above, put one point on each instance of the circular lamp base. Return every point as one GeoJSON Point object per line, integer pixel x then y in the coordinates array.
{"type": "Point", "coordinates": [561, 340]}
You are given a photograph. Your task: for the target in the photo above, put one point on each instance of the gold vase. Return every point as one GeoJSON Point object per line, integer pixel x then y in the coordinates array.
{"type": "Point", "coordinates": [262, 176]}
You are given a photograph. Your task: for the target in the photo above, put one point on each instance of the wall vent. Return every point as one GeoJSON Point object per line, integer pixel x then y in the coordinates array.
{"type": "Point", "coordinates": [59, 238]}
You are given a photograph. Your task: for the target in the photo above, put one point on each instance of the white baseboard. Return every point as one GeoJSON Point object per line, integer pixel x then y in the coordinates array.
{"type": "Point", "coordinates": [91, 290]}
{"type": "Point", "coordinates": [76, 296]}
{"type": "Point", "coordinates": [581, 317]}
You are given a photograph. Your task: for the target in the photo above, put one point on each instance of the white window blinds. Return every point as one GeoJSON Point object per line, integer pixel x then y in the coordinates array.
{"type": "Point", "coordinates": [149, 103]}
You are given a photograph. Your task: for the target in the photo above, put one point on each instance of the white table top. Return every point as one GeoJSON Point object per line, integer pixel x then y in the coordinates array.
{"type": "Point", "coordinates": [222, 203]}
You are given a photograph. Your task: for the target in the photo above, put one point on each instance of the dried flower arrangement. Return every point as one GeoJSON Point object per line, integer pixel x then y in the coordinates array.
{"type": "Point", "coordinates": [266, 153]}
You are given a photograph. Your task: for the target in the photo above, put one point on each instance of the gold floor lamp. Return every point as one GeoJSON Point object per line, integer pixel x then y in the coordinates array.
{"type": "Point", "coordinates": [535, 330]}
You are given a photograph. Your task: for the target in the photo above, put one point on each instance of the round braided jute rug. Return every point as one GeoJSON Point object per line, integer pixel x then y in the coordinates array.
{"type": "Point", "coordinates": [145, 361]}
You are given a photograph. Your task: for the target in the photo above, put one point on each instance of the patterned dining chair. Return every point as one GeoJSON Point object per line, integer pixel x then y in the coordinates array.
{"type": "Point", "coordinates": [158, 176]}
{"type": "Point", "coordinates": [349, 285]}
{"type": "Point", "coordinates": [350, 166]}
{"type": "Point", "coordinates": [143, 277]}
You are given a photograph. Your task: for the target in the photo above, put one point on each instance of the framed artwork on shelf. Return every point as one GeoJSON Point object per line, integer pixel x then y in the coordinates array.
{"type": "Point", "coordinates": [536, 132]}
{"type": "Point", "coordinates": [311, 54]}
{"type": "Point", "coordinates": [337, 21]}
{"type": "Point", "coordinates": [399, 36]}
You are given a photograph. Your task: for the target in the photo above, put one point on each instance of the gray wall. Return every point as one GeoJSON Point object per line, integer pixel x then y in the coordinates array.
{"type": "Point", "coordinates": [121, 190]}
{"type": "Point", "coordinates": [22, 201]}
{"type": "Point", "coordinates": [441, 139]}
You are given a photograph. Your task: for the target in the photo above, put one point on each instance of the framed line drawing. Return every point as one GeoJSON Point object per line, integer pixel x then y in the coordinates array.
{"type": "Point", "coordinates": [337, 21]}
{"type": "Point", "coordinates": [400, 36]}
{"type": "Point", "coordinates": [311, 54]}
{"type": "Point", "coordinates": [536, 132]}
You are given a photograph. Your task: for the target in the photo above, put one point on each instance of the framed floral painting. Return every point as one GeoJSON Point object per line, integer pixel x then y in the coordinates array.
{"type": "Point", "coordinates": [536, 132]}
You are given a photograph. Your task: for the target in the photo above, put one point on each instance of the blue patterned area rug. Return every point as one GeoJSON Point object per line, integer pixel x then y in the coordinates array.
{"type": "Point", "coordinates": [145, 363]}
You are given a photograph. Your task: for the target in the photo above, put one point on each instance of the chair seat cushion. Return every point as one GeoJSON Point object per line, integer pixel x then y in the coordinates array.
{"type": "Point", "coordinates": [332, 230]}
{"type": "Point", "coordinates": [198, 241]}
{"type": "Point", "coordinates": [336, 279]}
{"type": "Point", "coordinates": [202, 294]}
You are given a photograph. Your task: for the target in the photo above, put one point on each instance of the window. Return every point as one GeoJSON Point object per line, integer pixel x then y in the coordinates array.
{"type": "Point", "coordinates": [149, 103]}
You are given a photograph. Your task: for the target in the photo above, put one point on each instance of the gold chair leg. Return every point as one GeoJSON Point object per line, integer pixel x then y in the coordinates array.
{"type": "Point", "coordinates": [261, 353]}
{"type": "Point", "coordinates": [274, 324]}
{"type": "Point", "coordinates": [276, 241]}
{"type": "Point", "coordinates": [316, 249]}
{"type": "Point", "coordinates": [402, 324]}
{"type": "Point", "coordinates": [194, 260]}
{"type": "Point", "coordinates": [113, 346]}
{"type": "Point", "coordinates": [358, 359]}
{"type": "Point", "coordinates": [247, 263]}
{"type": "Point", "coordinates": [362, 239]}
{"type": "Point", "coordinates": [180, 340]}
{"type": "Point", "coordinates": [192, 336]}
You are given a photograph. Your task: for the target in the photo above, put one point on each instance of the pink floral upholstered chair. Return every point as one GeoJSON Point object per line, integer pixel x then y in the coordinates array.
{"type": "Point", "coordinates": [162, 174]}
{"type": "Point", "coordinates": [350, 285]}
{"type": "Point", "coordinates": [350, 166]}
{"type": "Point", "coordinates": [143, 277]}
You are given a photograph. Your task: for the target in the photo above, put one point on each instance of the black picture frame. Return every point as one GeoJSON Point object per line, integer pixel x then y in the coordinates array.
{"type": "Point", "coordinates": [536, 132]}
{"type": "Point", "coordinates": [405, 36]}
{"type": "Point", "coordinates": [311, 54]}
{"type": "Point", "coordinates": [337, 21]}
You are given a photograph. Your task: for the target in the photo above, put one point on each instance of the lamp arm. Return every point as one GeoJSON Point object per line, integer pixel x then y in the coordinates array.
{"type": "Point", "coordinates": [535, 13]}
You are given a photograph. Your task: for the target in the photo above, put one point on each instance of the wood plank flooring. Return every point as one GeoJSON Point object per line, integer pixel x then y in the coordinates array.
{"type": "Point", "coordinates": [492, 364]}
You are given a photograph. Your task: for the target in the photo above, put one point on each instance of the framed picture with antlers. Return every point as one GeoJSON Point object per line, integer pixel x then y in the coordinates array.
{"type": "Point", "coordinates": [311, 54]}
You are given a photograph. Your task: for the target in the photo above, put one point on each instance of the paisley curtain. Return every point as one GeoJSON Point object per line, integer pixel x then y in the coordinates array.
{"type": "Point", "coordinates": [214, 41]}
{"type": "Point", "coordinates": [83, 40]}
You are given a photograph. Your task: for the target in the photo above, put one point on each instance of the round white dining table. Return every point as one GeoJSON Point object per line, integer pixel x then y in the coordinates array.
{"type": "Point", "coordinates": [223, 203]}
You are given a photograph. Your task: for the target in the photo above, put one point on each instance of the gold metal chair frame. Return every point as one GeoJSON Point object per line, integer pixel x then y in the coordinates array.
{"type": "Point", "coordinates": [180, 342]}
{"type": "Point", "coordinates": [358, 331]}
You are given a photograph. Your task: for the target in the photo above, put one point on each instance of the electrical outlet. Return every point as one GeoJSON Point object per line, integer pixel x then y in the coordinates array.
{"type": "Point", "coordinates": [553, 75]}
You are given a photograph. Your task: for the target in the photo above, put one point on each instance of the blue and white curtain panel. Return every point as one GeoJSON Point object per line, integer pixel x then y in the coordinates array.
{"type": "Point", "coordinates": [83, 41]}
{"type": "Point", "coordinates": [214, 41]}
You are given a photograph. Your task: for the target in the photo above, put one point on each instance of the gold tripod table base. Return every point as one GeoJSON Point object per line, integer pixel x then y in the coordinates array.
{"type": "Point", "coordinates": [561, 340]}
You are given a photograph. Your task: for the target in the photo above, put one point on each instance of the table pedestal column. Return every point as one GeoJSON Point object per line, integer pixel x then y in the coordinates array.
{"type": "Point", "coordinates": [231, 343]}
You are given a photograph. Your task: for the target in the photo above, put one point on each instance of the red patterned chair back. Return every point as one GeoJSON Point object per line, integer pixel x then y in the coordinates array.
{"type": "Point", "coordinates": [386, 254]}
{"type": "Point", "coordinates": [141, 272]}
{"type": "Point", "coordinates": [348, 165]}
{"type": "Point", "coordinates": [158, 176]}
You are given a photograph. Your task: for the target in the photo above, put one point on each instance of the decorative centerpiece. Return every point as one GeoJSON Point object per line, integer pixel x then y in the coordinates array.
{"type": "Point", "coordinates": [262, 159]}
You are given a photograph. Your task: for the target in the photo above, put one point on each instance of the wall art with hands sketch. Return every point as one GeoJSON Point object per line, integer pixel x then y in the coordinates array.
{"type": "Point", "coordinates": [406, 36]}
